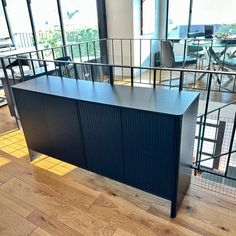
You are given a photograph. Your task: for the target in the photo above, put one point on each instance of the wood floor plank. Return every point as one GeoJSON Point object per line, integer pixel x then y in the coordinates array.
{"type": "Point", "coordinates": [110, 187]}
{"type": "Point", "coordinates": [57, 207]}
{"type": "Point", "coordinates": [79, 196]}
{"type": "Point", "coordinates": [40, 232]}
{"type": "Point", "coordinates": [50, 225]}
{"type": "Point", "coordinates": [12, 224]}
{"type": "Point", "coordinates": [15, 204]}
{"type": "Point", "coordinates": [120, 232]}
{"type": "Point", "coordinates": [84, 203]}
{"type": "Point", "coordinates": [133, 220]}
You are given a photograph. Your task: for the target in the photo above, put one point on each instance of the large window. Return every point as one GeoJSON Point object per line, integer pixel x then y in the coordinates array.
{"type": "Point", "coordinates": [217, 13]}
{"type": "Point", "coordinates": [46, 21]}
{"type": "Point", "coordinates": [148, 16]}
{"type": "Point", "coordinates": [81, 24]}
{"type": "Point", "coordinates": [20, 23]}
{"type": "Point", "coordinates": [3, 29]}
{"type": "Point", "coordinates": [80, 20]}
{"type": "Point", "coordinates": [42, 17]}
{"type": "Point", "coordinates": [178, 16]}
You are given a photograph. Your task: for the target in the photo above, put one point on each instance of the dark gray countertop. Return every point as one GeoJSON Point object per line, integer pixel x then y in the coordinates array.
{"type": "Point", "coordinates": [155, 100]}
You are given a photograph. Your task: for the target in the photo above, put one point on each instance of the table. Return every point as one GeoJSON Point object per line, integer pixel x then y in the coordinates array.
{"type": "Point", "coordinates": [138, 136]}
{"type": "Point", "coordinates": [212, 44]}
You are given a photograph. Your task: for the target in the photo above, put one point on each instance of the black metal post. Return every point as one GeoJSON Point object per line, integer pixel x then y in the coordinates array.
{"type": "Point", "coordinates": [154, 79]}
{"type": "Point", "coordinates": [32, 24]}
{"type": "Point", "coordinates": [4, 4]}
{"type": "Point", "coordinates": [181, 80]}
{"type": "Point", "coordinates": [205, 116]}
{"type": "Point", "coordinates": [63, 34]}
{"type": "Point", "coordinates": [132, 76]}
{"type": "Point", "coordinates": [231, 145]}
{"type": "Point", "coordinates": [111, 74]}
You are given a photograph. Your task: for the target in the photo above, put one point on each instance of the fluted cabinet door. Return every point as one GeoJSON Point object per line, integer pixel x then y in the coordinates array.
{"type": "Point", "coordinates": [101, 126]}
{"type": "Point", "coordinates": [65, 130]}
{"type": "Point", "coordinates": [148, 151]}
{"type": "Point", "coordinates": [32, 115]}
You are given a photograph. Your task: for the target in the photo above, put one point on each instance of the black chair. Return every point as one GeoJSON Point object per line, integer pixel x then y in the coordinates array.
{"type": "Point", "coordinates": [63, 68]}
{"type": "Point", "coordinates": [168, 59]}
{"type": "Point", "coordinates": [195, 50]}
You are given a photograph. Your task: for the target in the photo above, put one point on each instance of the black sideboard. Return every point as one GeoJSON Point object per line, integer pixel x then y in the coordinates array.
{"type": "Point", "coordinates": [139, 136]}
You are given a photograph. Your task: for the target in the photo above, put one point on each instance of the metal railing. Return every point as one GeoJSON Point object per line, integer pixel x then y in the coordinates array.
{"type": "Point", "coordinates": [95, 67]}
{"type": "Point", "coordinates": [145, 53]}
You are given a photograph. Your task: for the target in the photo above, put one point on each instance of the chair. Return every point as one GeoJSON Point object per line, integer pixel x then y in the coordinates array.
{"type": "Point", "coordinates": [168, 59]}
{"type": "Point", "coordinates": [63, 68]}
{"type": "Point", "coordinates": [224, 64]}
{"type": "Point", "coordinates": [196, 50]}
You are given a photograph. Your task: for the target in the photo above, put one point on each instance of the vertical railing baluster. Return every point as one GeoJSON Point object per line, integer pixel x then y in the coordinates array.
{"type": "Point", "coordinates": [92, 74]}
{"type": "Point", "coordinates": [12, 72]}
{"type": "Point", "coordinates": [132, 76]}
{"type": "Point", "coordinates": [53, 54]}
{"type": "Point", "coordinates": [87, 48]}
{"type": "Point", "coordinates": [32, 63]}
{"type": "Point", "coordinates": [130, 52]}
{"type": "Point", "coordinates": [150, 61]}
{"type": "Point", "coordinates": [113, 56]}
{"type": "Point", "coordinates": [234, 83]}
{"type": "Point", "coordinates": [71, 51]}
{"type": "Point", "coordinates": [231, 145]}
{"type": "Point", "coordinates": [198, 154]}
{"type": "Point", "coordinates": [75, 71]}
{"type": "Point", "coordinates": [205, 114]}
{"type": "Point", "coordinates": [181, 80]}
{"type": "Point", "coordinates": [80, 53]}
{"type": "Point", "coordinates": [140, 60]}
{"type": "Point", "coordinates": [154, 79]}
{"type": "Point", "coordinates": [122, 62]}
{"type": "Point", "coordinates": [111, 75]}
{"type": "Point", "coordinates": [95, 53]}
{"type": "Point", "coordinates": [21, 68]}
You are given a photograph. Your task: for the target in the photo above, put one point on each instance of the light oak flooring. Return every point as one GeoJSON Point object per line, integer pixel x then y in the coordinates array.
{"type": "Point", "coordinates": [7, 122]}
{"type": "Point", "coordinates": [49, 197]}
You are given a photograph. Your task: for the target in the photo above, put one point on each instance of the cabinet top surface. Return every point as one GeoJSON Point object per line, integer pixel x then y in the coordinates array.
{"type": "Point", "coordinates": [158, 100]}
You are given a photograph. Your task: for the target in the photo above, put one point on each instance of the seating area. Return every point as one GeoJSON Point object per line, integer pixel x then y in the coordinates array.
{"type": "Point", "coordinates": [116, 118]}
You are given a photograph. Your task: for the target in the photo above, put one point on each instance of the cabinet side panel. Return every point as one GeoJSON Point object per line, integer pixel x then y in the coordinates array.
{"type": "Point", "coordinates": [101, 126]}
{"type": "Point", "coordinates": [30, 107]}
{"type": "Point", "coordinates": [189, 121]}
{"type": "Point", "coordinates": [148, 151]}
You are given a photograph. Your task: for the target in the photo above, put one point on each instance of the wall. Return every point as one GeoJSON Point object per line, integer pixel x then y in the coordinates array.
{"type": "Point", "coordinates": [119, 25]}
{"type": "Point", "coordinates": [124, 21]}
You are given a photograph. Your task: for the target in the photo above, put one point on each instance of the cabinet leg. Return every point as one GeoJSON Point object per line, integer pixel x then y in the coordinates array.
{"type": "Point", "coordinates": [173, 210]}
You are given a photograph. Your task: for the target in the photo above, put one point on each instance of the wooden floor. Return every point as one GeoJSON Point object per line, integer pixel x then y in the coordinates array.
{"type": "Point", "coordinates": [7, 122]}
{"type": "Point", "coordinates": [48, 197]}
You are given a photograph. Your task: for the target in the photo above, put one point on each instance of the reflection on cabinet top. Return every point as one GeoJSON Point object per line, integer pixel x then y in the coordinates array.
{"type": "Point", "coordinates": [159, 100]}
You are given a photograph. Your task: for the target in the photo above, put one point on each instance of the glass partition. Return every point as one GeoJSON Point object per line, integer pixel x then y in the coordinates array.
{"type": "Point", "coordinates": [178, 16]}
{"type": "Point", "coordinates": [3, 29]}
{"type": "Point", "coordinates": [47, 24]}
{"type": "Point", "coordinates": [20, 23]}
{"type": "Point", "coordinates": [81, 24]}
{"type": "Point", "coordinates": [220, 15]}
